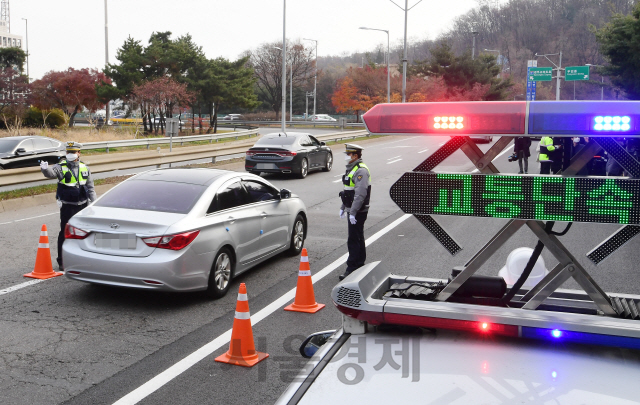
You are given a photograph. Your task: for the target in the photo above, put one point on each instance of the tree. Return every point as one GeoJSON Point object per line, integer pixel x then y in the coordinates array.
{"type": "Point", "coordinates": [159, 97]}
{"type": "Point", "coordinates": [266, 62]}
{"type": "Point", "coordinates": [620, 44]}
{"type": "Point", "coordinates": [69, 90]}
{"type": "Point", "coordinates": [347, 99]}
{"type": "Point", "coordinates": [13, 58]}
{"type": "Point", "coordinates": [228, 84]}
{"type": "Point", "coordinates": [462, 73]}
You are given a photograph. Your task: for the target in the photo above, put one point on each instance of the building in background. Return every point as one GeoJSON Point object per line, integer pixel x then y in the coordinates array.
{"type": "Point", "coordinates": [7, 39]}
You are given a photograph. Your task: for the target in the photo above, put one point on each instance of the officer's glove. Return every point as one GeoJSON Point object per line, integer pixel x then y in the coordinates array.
{"type": "Point", "coordinates": [352, 219]}
{"type": "Point", "coordinates": [343, 215]}
{"type": "Point", "coordinates": [44, 164]}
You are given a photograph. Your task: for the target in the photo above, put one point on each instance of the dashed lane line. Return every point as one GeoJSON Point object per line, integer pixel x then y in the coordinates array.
{"type": "Point", "coordinates": [394, 161]}
{"type": "Point", "coordinates": [183, 365]}
{"type": "Point", "coordinates": [395, 157]}
{"type": "Point", "coordinates": [26, 219]}
{"type": "Point", "coordinates": [19, 286]}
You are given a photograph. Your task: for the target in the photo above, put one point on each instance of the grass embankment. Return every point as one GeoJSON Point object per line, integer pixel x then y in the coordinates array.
{"type": "Point", "coordinates": [50, 188]}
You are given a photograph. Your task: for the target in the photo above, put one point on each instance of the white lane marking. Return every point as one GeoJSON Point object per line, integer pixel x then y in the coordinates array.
{"type": "Point", "coordinates": [183, 365]}
{"type": "Point", "coordinates": [19, 286]}
{"type": "Point", "coordinates": [389, 143]}
{"type": "Point", "coordinates": [394, 161]}
{"type": "Point", "coordinates": [26, 219]}
{"type": "Point", "coordinates": [395, 157]}
{"type": "Point", "coordinates": [337, 181]}
{"type": "Point", "coordinates": [401, 146]}
{"type": "Point", "coordinates": [500, 154]}
{"type": "Point", "coordinates": [423, 151]}
{"type": "Point", "coordinates": [338, 175]}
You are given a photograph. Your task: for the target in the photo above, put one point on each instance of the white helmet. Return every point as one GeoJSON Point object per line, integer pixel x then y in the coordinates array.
{"type": "Point", "coordinates": [516, 262]}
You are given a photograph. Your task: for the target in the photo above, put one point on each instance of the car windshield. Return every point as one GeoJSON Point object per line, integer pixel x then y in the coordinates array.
{"type": "Point", "coordinates": [162, 196]}
{"type": "Point", "coordinates": [277, 140]}
{"type": "Point", "coordinates": [7, 145]}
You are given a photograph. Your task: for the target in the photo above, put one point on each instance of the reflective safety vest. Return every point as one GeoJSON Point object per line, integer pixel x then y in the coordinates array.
{"type": "Point", "coordinates": [546, 145]}
{"type": "Point", "coordinates": [70, 188]}
{"type": "Point", "coordinates": [349, 187]}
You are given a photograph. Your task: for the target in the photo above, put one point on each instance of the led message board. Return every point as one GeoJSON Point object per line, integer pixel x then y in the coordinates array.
{"type": "Point", "coordinates": [545, 198]}
{"type": "Point", "coordinates": [553, 118]}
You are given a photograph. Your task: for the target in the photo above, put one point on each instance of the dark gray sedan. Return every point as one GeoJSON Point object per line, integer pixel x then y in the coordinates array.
{"type": "Point", "coordinates": [182, 230]}
{"type": "Point", "coordinates": [26, 151]}
{"type": "Point", "coordinates": [293, 152]}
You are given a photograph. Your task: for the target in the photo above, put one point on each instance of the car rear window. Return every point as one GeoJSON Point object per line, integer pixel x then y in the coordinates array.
{"type": "Point", "coordinates": [277, 140]}
{"type": "Point", "coordinates": [162, 196]}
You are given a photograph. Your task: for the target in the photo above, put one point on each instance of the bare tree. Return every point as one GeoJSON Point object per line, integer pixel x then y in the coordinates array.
{"type": "Point", "coordinates": [266, 62]}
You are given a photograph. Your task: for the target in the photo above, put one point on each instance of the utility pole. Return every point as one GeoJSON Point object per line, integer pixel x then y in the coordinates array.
{"type": "Point", "coordinates": [26, 26]}
{"type": "Point", "coordinates": [558, 69]}
{"type": "Point", "coordinates": [404, 53]}
{"type": "Point", "coordinates": [315, 77]}
{"type": "Point", "coordinates": [284, 65]}
{"type": "Point", "coordinates": [107, 110]}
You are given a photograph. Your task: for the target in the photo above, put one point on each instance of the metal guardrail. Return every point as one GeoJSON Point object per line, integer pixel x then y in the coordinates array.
{"type": "Point", "coordinates": [158, 141]}
{"type": "Point", "coordinates": [301, 123]}
{"type": "Point", "coordinates": [130, 160]}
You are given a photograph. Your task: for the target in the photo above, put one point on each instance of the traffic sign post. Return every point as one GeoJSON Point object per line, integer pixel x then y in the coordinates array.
{"type": "Point", "coordinates": [542, 74]}
{"type": "Point", "coordinates": [531, 85]}
{"type": "Point", "coordinates": [573, 73]}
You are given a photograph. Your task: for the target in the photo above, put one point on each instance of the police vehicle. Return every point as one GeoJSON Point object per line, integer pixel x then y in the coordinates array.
{"type": "Point", "coordinates": [473, 339]}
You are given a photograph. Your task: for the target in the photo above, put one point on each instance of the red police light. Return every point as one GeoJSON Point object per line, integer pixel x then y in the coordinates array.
{"type": "Point", "coordinates": [454, 118]}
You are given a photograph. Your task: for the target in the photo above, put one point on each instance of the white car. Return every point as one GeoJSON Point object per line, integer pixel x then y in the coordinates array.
{"type": "Point", "coordinates": [233, 117]}
{"type": "Point", "coordinates": [323, 117]}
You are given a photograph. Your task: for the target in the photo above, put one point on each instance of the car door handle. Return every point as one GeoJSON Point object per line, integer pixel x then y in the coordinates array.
{"type": "Point", "coordinates": [231, 219]}
{"type": "Point", "coordinates": [264, 215]}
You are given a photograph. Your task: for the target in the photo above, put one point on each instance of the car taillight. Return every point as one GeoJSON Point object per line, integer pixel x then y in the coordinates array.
{"type": "Point", "coordinates": [178, 241]}
{"type": "Point", "coordinates": [285, 154]}
{"type": "Point", "coordinates": [250, 153]}
{"type": "Point", "coordinates": [71, 232]}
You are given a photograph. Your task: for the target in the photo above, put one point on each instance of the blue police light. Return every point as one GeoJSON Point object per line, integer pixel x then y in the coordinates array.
{"type": "Point", "coordinates": [611, 123]}
{"type": "Point", "coordinates": [586, 118]}
{"type": "Point", "coordinates": [580, 337]}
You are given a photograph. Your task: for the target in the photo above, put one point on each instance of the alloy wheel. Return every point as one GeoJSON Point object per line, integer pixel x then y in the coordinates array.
{"type": "Point", "coordinates": [223, 271]}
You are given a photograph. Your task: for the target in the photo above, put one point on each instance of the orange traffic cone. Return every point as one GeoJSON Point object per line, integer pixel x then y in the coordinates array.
{"type": "Point", "coordinates": [305, 298]}
{"type": "Point", "coordinates": [242, 350]}
{"type": "Point", "coordinates": [43, 268]}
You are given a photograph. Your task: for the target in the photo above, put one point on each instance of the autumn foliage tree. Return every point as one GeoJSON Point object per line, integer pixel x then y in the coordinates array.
{"type": "Point", "coordinates": [159, 97]}
{"type": "Point", "coordinates": [70, 90]}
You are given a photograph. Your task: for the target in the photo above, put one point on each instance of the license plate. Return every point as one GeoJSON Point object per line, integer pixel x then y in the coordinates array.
{"type": "Point", "coordinates": [265, 166]}
{"type": "Point", "coordinates": [115, 240]}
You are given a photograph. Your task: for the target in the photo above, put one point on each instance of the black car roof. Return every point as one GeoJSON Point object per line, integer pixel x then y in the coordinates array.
{"type": "Point", "coordinates": [199, 176]}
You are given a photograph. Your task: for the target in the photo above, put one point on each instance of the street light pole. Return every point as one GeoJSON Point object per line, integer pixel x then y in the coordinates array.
{"type": "Point", "coordinates": [284, 64]}
{"type": "Point", "coordinates": [388, 74]}
{"type": "Point", "coordinates": [404, 54]}
{"type": "Point", "coordinates": [315, 77]}
{"type": "Point", "coordinates": [26, 27]}
{"type": "Point", "coordinates": [107, 112]}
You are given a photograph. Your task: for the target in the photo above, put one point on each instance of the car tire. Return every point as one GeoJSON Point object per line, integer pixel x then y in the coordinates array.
{"type": "Point", "coordinates": [329, 163]}
{"type": "Point", "coordinates": [304, 169]}
{"type": "Point", "coordinates": [297, 236]}
{"type": "Point", "coordinates": [221, 274]}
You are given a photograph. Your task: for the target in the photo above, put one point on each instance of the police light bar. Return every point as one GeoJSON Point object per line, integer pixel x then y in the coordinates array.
{"type": "Point", "coordinates": [455, 118]}
{"type": "Point", "coordinates": [516, 118]}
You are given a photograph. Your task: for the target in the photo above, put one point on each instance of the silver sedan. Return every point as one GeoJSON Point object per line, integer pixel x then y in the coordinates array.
{"type": "Point", "coordinates": [182, 230]}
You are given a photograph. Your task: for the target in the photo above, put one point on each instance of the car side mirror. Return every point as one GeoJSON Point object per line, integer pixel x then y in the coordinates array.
{"type": "Point", "coordinates": [20, 151]}
{"type": "Point", "coordinates": [284, 193]}
{"type": "Point", "coordinates": [314, 342]}
{"type": "Point", "coordinates": [322, 143]}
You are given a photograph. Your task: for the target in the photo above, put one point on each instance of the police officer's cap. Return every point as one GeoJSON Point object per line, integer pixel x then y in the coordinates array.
{"type": "Point", "coordinates": [73, 146]}
{"type": "Point", "coordinates": [353, 148]}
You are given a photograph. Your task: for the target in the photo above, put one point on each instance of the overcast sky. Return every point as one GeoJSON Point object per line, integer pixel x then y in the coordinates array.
{"type": "Point", "coordinates": [70, 33]}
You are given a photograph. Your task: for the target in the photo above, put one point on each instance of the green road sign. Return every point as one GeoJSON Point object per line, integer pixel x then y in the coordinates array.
{"type": "Point", "coordinates": [537, 74]}
{"type": "Point", "coordinates": [576, 73]}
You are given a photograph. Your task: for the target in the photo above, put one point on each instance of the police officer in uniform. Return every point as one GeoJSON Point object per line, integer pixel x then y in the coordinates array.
{"type": "Point", "coordinates": [75, 187]}
{"type": "Point", "coordinates": [548, 153]}
{"type": "Point", "coordinates": [355, 203]}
